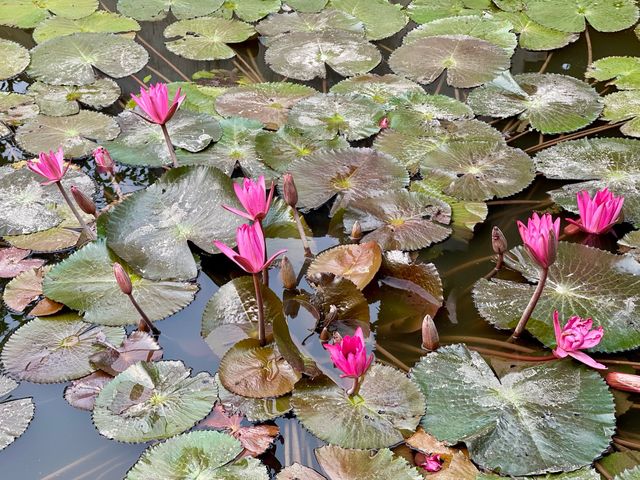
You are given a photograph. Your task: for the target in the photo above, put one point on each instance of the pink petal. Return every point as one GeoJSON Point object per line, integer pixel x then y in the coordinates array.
{"type": "Point", "coordinates": [238, 212]}
{"type": "Point", "coordinates": [587, 360]}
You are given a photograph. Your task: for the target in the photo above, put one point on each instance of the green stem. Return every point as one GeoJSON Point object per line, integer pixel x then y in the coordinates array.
{"type": "Point", "coordinates": [544, 272]}
{"type": "Point", "coordinates": [90, 235]}
{"type": "Point", "coordinates": [172, 151]}
{"type": "Point", "coordinates": [145, 324]}
{"type": "Point", "coordinates": [262, 334]}
{"type": "Point", "coordinates": [303, 236]}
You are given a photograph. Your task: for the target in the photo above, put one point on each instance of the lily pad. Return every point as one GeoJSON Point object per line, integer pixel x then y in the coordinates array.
{"type": "Point", "coordinates": [572, 15]}
{"type": "Point", "coordinates": [85, 282]}
{"type": "Point", "coordinates": [29, 13]}
{"type": "Point", "coordinates": [76, 134]}
{"type": "Point", "coordinates": [324, 116]}
{"type": "Point", "coordinates": [154, 10]}
{"type": "Point", "coordinates": [206, 38]}
{"type": "Point", "coordinates": [183, 206]}
{"type": "Point", "coordinates": [424, 11]}
{"type": "Point", "coordinates": [387, 404]}
{"type": "Point", "coordinates": [199, 98]}
{"type": "Point", "coordinates": [400, 220]}
{"type": "Point", "coordinates": [617, 462]}
{"type": "Point", "coordinates": [61, 100]}
{"type": "Point", "coordinates": [137, 347]}
{"type": "Point", "coordinates": [82, 393]}
{"type": "Point", "coordinates": [379, 88]}
{"type": "Point", "coordinates": [249, 10]}
{"type": "Point", "coordinates": [551, 103]}
{"type": "Point", "coordinates": [14, 261]}
{"type": "Point", "coordinates": [533, 36]}
{"type": "Point", "coordinates": [100, 21]}
{"type": "Point", "coordinates": [341, 463]}
{"type": "Point", "coordinates": [15, 108]}
{"type": "Point", "coordinates": [15, 58]}
{"type": "Point", "coordinates": [356, 262]}
{"type": "Point", "coordinates": [582, 474]}
{"type": "Point", "coordinates": [583, 281]}
{"type": "Point", "coordinates": [349, 174]}
{"type": "Point", "coordinates": [599, 163]}
{"type": "Point", "coordinates": [255, 409]}
{"type": "Point", "coordinates": [23, 289]}
{"type": "Point", "coordinates": [307, 6]}
{"type": "Point", "coordinates": [623, 72]}
{"type": "Point", "coordinates": [153, 401]}
{"type": "Point", "coordinates": [268, 103]}
{"type": "Point", "coordinates": [55, 349]}
{"type": "Point", "coordinates": [74, 59]}
{"type": "Point", "coordinates": [506, 428]}
{"type": "Point", "coordinates": [624, 106]}
{"type": "Point", "coordinates": [631, 474]}
{"type": "Point", "coordinates": [381, 18]}
{"type": "Point", "coordinates": [414, 112]}
{"type": "Point", "coordinates": [280, 222]}
{"type": "Point", "coordinates": [15, 415]}
{"type": "Point", "coordinates": [209, 453]}
{"type": "Point", "coordinates": [296, 471]}
{"type": "Point", "coordinates": [326, 20]}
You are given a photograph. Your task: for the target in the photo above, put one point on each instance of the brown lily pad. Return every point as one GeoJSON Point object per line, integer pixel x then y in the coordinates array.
{"type": "Point", "coordinates": [357, 262]}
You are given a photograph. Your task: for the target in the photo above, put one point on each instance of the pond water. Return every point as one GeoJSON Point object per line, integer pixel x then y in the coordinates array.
{"type": "Point", "coordinates": [62, 442]}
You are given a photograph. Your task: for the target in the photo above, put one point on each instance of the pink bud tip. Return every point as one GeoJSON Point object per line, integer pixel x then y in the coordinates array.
{"type": "Point", "coordinates": [122, 278]}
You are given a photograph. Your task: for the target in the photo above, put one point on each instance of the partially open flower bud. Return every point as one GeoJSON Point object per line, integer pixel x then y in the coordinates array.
{"type": "Point", "coordinates": [289, 190]}
{"type": "Point", "coordinates": [325, 335]}
{"type": "Point", "coordinates": [287, 275]}
{"type": "Point", "coordinates": [123, 279]}
{"type": "Point", "coordinates": [356, 231]}
{"type": "Point", "coordinates": [430, 337]}
{"type": "Point", "coordinates": [498, 241]}
{"type": "Point", "coordinates": [624, 381]}
{"type": "Point", "coordinates": [84, 202]}
{"type": "Point", "coordinates": [384, 123]}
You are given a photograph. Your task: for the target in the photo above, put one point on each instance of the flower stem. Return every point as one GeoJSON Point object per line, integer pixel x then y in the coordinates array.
{"type": "Point", "coordinates": [116, 186]}
{"type": "Point", "coordinates": [303, 236]}
{"type": "Point", "coordinates": [355, 387]}
{"type": "Point", "coordinates": [261, 328]}
{"type": "Point", "coordinates": [172, 151]}
{"type": "Point", "coordinates": [544, 272]}
{"type": "Point", "coordinates": [90, 235]}
{"type": "Point", "coordinates": [145, 324]}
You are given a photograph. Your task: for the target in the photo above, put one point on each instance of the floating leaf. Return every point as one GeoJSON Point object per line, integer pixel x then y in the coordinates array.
{"type": "Point", "coordinates": [206, 38]}
{"type": "Point", "coordinates": [15, 415]}
{"type": "Point", "coordinates": [152, 401]}
{"type": "Point", "coordinates": [100, 21]}
{"type": "Point", "coordinates": [253, 371]}
{"type": "Point", "coordinates": [623, 106]}
{"type": "Point", "coordinates": [29, 13]}
{"type": "Point", "coordinates": [70, 60]}
{"type": "Point", "coordinates": [379, 88]}
{"type": "Point", "coordinates": [582, 474]}
{"type": "Point", "coordinates": [15, 58]}
{"type": "Point", "coordinates": [503, 425]}
{"type": "Point", "coordinates": [533, 36]}
{"type": "Point", "coordinates": [24, 289]}
{"type": "Point", "coordinates": [76, 134]}
{"type": "Point", "coordinates": [631, 241]}
{"type": "Point", "coordinates": [381, 18]}
{"type": "Point", "coordinates": [55, 349]}
{"type": "Point", "coordinates": [551, 103]}
{"type": "Point", "coordinates": [424, 11]}
{"type": "Point", "coordinates": [295, 471]}
{"type": "Point", "coordinates": [623, 72]}
{"type": "Point", "coordinates": [387, 404]}
{"type": "Point", "coordinates": [82, 393]}
{"type": "Point", "coordinates": [400, 220]}
{"type": "Point", "coordinates": [14, 261]}
{"type": "Point", "coordinates": [249, 10]}
{"type": "Point", "coordinates": [199, 98]}
{"type": "Point", "coordinates": [280, 222]}
{"type": "Point", "coordinates": [268, 103]}
{"type": "Point", "coordinates": [62, 100]}
{"type": "Point", "coordinates": [195, 454]}
{"type": "Point", "coordinates": [137, 347]}
{"type": "Point", "coordinates": [15, 108]}
{"type": "Point", "coordinates": [341, 463]}
{"type": "Point", "coordinates": [255, 409]}
{"type": "Point", "coordinates": [571, 16]}
{"type": "Point", "coordinates": [583, 281]}
{"type": "Point", "coordinates": [632, 474]}
{"type": "Point", "coordinates": [349, 174]}
{"type": "Point", "coordinates": [415, 111]}
{"type": "Point", "coordinates": [617, 462]}
{"type": "Point", "coordinates": [356, 262]}
{"type": "Point", "coordinates": [307, 6]}
{"type": "Point", "coordinates": [151, 228]}
{"type": "Point", "coordinates": [154, 10]}
{"type": "Point", "coordinates": [327, 20]}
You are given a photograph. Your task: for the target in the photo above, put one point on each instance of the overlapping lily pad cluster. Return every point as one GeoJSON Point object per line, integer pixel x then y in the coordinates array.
{"type": "Point", "coordinates": [396, 164]}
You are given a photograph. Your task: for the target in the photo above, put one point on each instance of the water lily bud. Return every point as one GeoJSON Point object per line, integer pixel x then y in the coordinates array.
{"type": "Point", "coordinates": [287, 275]}
{"type": "Point", "coordinates": [289, 190]}
{"type": "Point", "coordinates": [356, 231]}
{"type": "Point", "coordinates": [384, 123]}
{"type": "Point", "coordinates": [325, 335]}
{"type": "Point", "coordinates": [498, 241]}
{"type": "Point", "coordinates": [430, 337]}
{"type": "Point", "coordinates": [624, 381]}
{"type": "Point", "coordinates": [84, 202]}
{"type": "Point", "coordinates": [123, 279]}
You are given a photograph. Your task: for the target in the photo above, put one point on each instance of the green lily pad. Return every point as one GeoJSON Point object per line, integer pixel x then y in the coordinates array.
{"type": "Point", "coordinates": [412, 112]}
{"type": "Point", "coordinates": [280, 222]}
{"type": "Point", "coordinates": [583, 281]}
{"type": "Point", "coordinates": [100, 21]}
{"type": "Point", "coordinates": [533, 36]}
{"type": "Point", "coordinates": [29, 13]}
{"type": "Point", "coordinates": [506, 428]}
{"type": "Point", "coordinates": [24, 289]}
{"type": "Point", "coordinates": [142, 143]}
{"type": "Point", "coordinates": [631, 241]}
{"type": "Point", "coordinates": [349, 174]}
{"type": "Point", "coordinates": [255, 409]}
{"type": "Point", "coordinates": [382, 89]}
{"type": "Point", "coordinates": [154, 10]}
{"type": "Point", "coordinates": [153, 401]}
{"type": "Point", "coordinates": [632, 474]}
{"type": "Point", "coordinates": [424, 11]}
{"type": "Point", "coordinates": [151, 229]}
{"type": "Point", "coordinates": [15, 108]}
{"type": "Point", "coordinates": [400, 220]}
{"type": "Point", "coordinates": [15, 415]}
{"type": "Point", "coordinates": [279, 149]}
{"type": "Point", "coordinates": [381, 18]}
{"type": "Point", "coordinates": [623, 72]}
{"type": "Point", "coordinates": [71, 60]}
{"type": "Point", "coordinates": [599, 163]}
{"type": "Point", "coordinates": [231, 314]}
{"type": "Point", "coordinates": [572, 15]}
{"type": "Point", "coordinates": [582, 474]}
{"type": "Point", "coordinates": [15, 58]}
{"type": "Point", "coordinates": [249, 10]}
{"type": "Point", "coordinates": [387, 404]}
{"type": "Point", "coordinates": [206, 38]}
{"type": "Point", "coordinates": [551, 103]}
{"type": "Point", "coordinates": [295, 471]}
{"type": "Point", "coordinates": [307, 6]}
{"type": "Point", "coordinates": [468, 61]}
{"type": "Point", "coordinates": [85, 282]}
{"type": "Point", "coordinates": [250, 370]}
{"type": "Point", "coordinates": [62, 100]}
{"type": "Point", "coordinates": [194, 454]}
{"type": "Point", "coordinates": [76, 134]}
{"type": "Point", "coordinates": [624, 106]}
{"type": "Point", "coordinates": [199, 98]}
{"type": "Point", "coordinates": [324, 116]}
{"type": "Point", "coordinates": [617, 462]}
{"type": "Point", "coordinates": [55, 349]}
{"type": "Point", "coordinates": [294, 22]}
{"type": "Point", "coordinates": [341, 463]}
{"type": "Point", "coordinates": [268, 103]}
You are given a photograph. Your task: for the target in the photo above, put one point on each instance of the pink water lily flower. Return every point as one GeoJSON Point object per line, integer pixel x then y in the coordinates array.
{"type": "Point", "coordinates": [50, 166]}
{"type": "Point", "coordinates": [253, 197]}
{"type": "Point", "coordinates": [104, 162]}
{"type": "Point", "coordinates": [540, 237]}
{"type": "Point", "coordinates": [154, 102]}
{"type": "Point", "coordinates": [251, 247]}
{"type": "Point", "coordinates": [432, 463]}
{"type": "Point", "coordinates": [577, 335]}
{"type": "Point", "coordinates": [600, 213]}
{"type": "Point", "coordinates": [350, 355]}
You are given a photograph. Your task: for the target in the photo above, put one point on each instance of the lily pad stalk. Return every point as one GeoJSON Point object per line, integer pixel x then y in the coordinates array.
{"type": "Point", "coordinates": [290, 194]}
{"type": "Point", "coordinates": [124, 282]}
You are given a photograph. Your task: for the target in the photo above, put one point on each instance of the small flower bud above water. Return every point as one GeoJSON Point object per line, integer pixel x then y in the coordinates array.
{"type": "Point", "coordinates": [540, 237]}
{"type": "Point", "coordinates": [104, 162]}
{"type": "Point", "coordinates": [384, 123]}
{"type": "Point", "coordinates": [289, 190]}
{"type": "Point", "coordinates": [84, 202]}
{"type": "Point", "coordinates": [356, 231]}
{"type": "Point", "coordinates": [624, 381]}
{"type": "Point", "coordinates": [498, 241]}
{"type": "Point", "coordinates": [123, 279]}
{"type": "Point", "coordinates": [430, 463]}
{"type": "Point", "coordinates": [430, 337]}
{"type": "Point", "coordinates": [287, 275]}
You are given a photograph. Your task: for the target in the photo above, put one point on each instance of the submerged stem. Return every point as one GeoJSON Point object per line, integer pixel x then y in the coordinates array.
{"type": "Point", "coordinates": [303, 236]}
{"type": "Point", "coordinates": [544, 272]}
{"type": "Point", "coordinates": [172, 151]}
{"type": "Point", "coordinates": [73, 208]}
{"type": "Point", "coordinates": [261, 328]}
